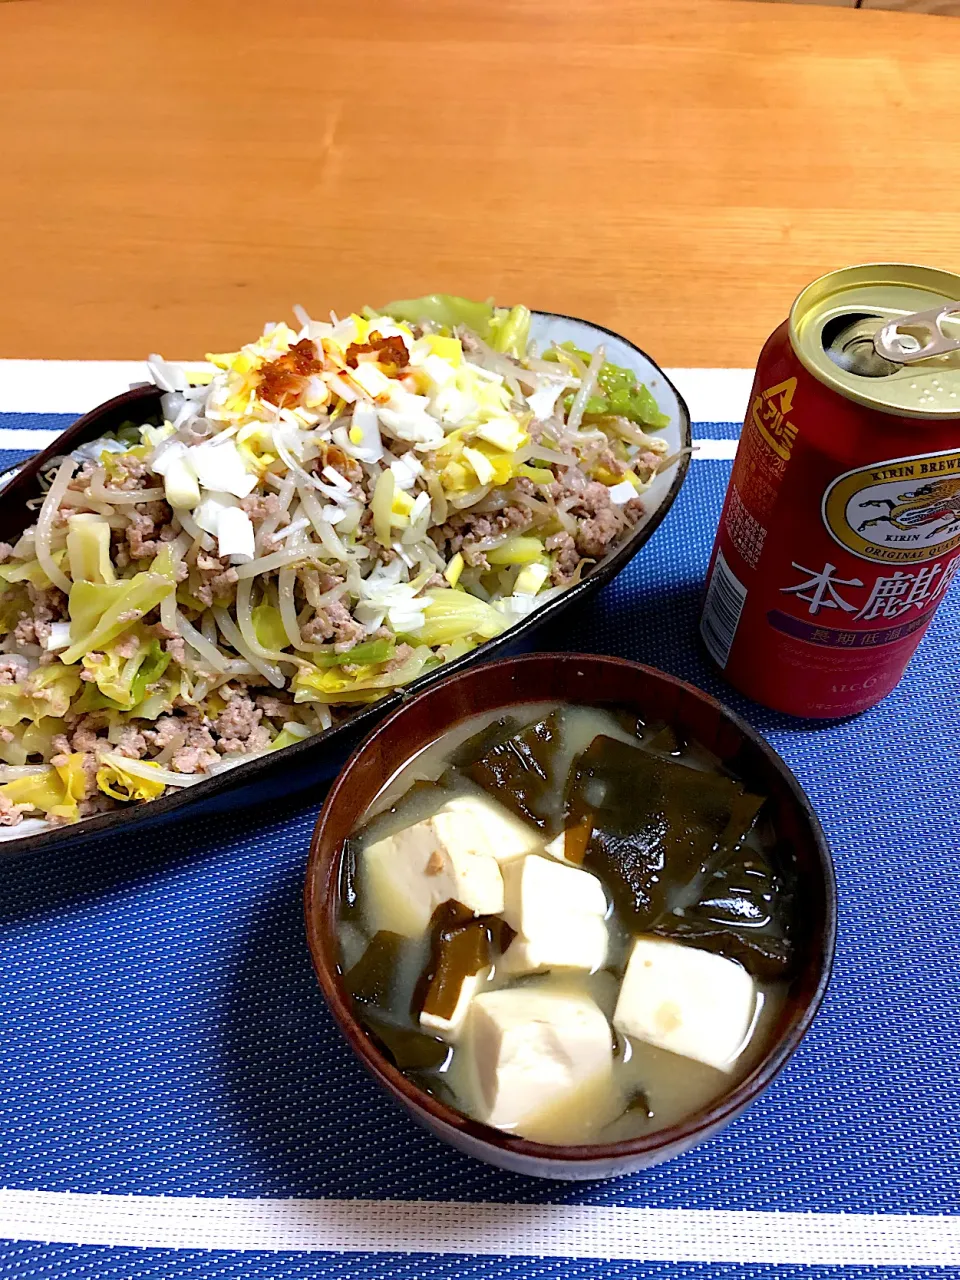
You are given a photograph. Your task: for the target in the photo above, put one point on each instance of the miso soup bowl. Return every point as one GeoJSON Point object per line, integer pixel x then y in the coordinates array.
{"type": "Point", "coordinates": [588, 680]}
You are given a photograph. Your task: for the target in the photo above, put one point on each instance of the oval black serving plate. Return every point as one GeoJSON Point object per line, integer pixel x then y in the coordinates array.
{"type": "Point", "coordinates": [316, 759]}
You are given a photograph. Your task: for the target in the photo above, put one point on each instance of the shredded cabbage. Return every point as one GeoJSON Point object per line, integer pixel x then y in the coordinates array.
{"type": "Point", "coordinates": [455, 615]}
{"type": "Point", "coordinates": [116, 779]}
{"type": "Point", "coordinates": [364, 683]}
{"type": "Point", "coordinates": [31, 571]}
{"type": "Point", "coordinates": [117, 682]}
{"type": "Point", "coordinates": [290, 733]}
{"type": "Point", "coordinates": [623, 395]}
{"type": "Point", "coordinates": [88, 549]}
{"type": "Point", "coordinates": [444, 309]}
{"type": "Point", "coordinates": [47, 691]}
{"type": "Point", "coordinates": [54, 792]}
{"type": "Point", "coordinates": [99, 612]}
{"type": "Point", "coordinates": [268, 627]}
{"type": "Point", "coordinates": [510, 331]}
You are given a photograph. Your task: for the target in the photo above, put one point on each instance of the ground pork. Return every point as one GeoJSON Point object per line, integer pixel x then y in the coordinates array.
{"type": "Point", "coordinates": [79, 481]}
{"type": "Point", "coordinates": [475, 559]}
{"type": "Point", "coordinates": [86, 674]}
{"type": "Point", "coordinates": [160, 512]}
{"type": "Point", "coordinates": [633, 510]}
{"type": "Point", "coordinates": [87, 733]}
{"type": "Point", "coordinates": [6, 551]}
{"type": "Point", "coordinates": [91, 805]}
{"type": "Point", "coordinates": [127, 471]}
{"type": "Point", "coordinates": [600, 521]}
{"type": "Point", "coordinates": [275, 707]}
{"type": "Point", "coordinates": [595, 534]}
{"type": "Point", "coordinates": [566, 560]}
{"type": "Point", "coordinates": [131, 743]}
{"type": "Point", "coordinates": [196, 751]}
{"type": "Point", "coordinates": [11, 670]}
{"type": "Point", "coordinates": [48, 604]}
{"type": "Point", "coordinates": [333, 621]}
{"type": "Point", "coordinates": [166, 730]}
{"type": "Point", "coordinates": [217, 578]}
{"type": "Point", "coordinates": [607, 458]}
{"type": "Point", "coordinates": [468, 341]}
{"type": "Point", "coordinates": [402, 653]}
{"type": "Point", "coordinates": [239, 728]}
{"type": "Point", "coordinates": [462, 532]}
{"type": "Point", "coordinates": [258, 508]}
{"type": "Point", "coordinates": [588, 495]}
{"type": "Point", "coordinates": [316, 582]}
{"type": "Point", "coordinates": [89, 764]}
{"type": "Point", "coordinates": [172, 642]}
{"type": "Point", "coordinates": [177, 649]}
{"type": "Point", "coordinates": [140, 532]}
{"type": "Point", "coordinates": [127, 645]}
{"type": "Point", "coordinates": [11, 815]}
{"type": "Point", "coordinates": [193, 760]}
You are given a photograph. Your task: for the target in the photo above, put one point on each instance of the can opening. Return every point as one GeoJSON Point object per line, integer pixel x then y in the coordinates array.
{"type": "Point", "coordinates": [848, 341]}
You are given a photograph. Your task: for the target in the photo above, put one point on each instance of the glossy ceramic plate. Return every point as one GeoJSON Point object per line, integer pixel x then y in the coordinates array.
{"type": "Point", "coordinates": [305, 763]}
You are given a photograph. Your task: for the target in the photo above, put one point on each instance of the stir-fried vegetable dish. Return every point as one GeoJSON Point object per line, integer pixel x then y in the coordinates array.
{"type": "Point", "coordinates": [317, 519]}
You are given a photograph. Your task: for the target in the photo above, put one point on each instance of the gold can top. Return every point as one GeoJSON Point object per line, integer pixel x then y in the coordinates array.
{"type": "Point", "coordinates": [845, 328]}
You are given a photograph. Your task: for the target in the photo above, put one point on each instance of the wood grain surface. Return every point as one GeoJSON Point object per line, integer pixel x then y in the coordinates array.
{"type": "Point", "coordinates": [174, 174]}
{"type": "Point", "coordinates": [944, 8]}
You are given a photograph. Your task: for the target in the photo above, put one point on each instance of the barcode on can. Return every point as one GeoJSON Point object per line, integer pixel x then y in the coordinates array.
{"type": "Point", "coordinates": [726, 595]}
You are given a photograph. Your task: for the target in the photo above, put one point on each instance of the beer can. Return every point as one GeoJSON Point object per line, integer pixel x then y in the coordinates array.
{"type": "Point", "coordinates": [840, 532]}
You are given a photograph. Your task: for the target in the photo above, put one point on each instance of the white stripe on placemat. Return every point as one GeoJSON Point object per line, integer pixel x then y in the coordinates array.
{"type": "Point", "coordinates": [512, 1230]}
{"type": "Point", "coordinates": [64, 386]}
{"type": "Point", "coordinates": [711, 450]}
{"type": "Point", "coordinates": [74, 386]}
{"type": "Point", "coordinates": [25, 438]}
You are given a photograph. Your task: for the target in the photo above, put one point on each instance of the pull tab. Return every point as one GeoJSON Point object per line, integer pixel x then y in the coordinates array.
{"type": "Point", "coordinates": [917, 337]}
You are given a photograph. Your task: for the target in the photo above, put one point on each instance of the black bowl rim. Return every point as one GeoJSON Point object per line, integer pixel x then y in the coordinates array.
{"type": "Point", "coordinates": [119, 820]}
{"type": "Point", "coordinates": [708, 1119]}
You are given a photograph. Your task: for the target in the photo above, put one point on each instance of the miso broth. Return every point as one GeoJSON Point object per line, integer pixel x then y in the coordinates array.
{"type": "Point", "coordinates": [685, 861]}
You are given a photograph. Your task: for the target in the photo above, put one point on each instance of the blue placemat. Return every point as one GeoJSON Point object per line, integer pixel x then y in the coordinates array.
{"type": "Point", "coordinates": [162, 1032]}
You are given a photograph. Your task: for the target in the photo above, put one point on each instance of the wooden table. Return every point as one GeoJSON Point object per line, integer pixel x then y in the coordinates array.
{"type": "Point", "coordinates": [174, 173]}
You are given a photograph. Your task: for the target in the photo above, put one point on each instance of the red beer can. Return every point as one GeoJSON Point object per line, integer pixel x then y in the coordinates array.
{"type": "Point", "coordinates": [840, 532]}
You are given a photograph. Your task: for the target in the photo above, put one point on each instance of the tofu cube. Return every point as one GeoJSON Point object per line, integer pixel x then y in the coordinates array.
{"type": "Point", "coordinates": [555, 849]}
{"type": "Point", "coordinates": [571, 845]}
{"type": "Point", "coordinates": [409, 874]}
{"type": "Point", "coordinates": [693, 1003]}
{"type": "Point", "coordinates": [573, 942]}
{"type": "Point", "coordinates": [540, 891]}
{"type": "Point", "coordinates": [450, 1028]}
{"type": "Point", "coordinates": [489, 827]}
{"type": "Point", "coordinates": [533, 1048]}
